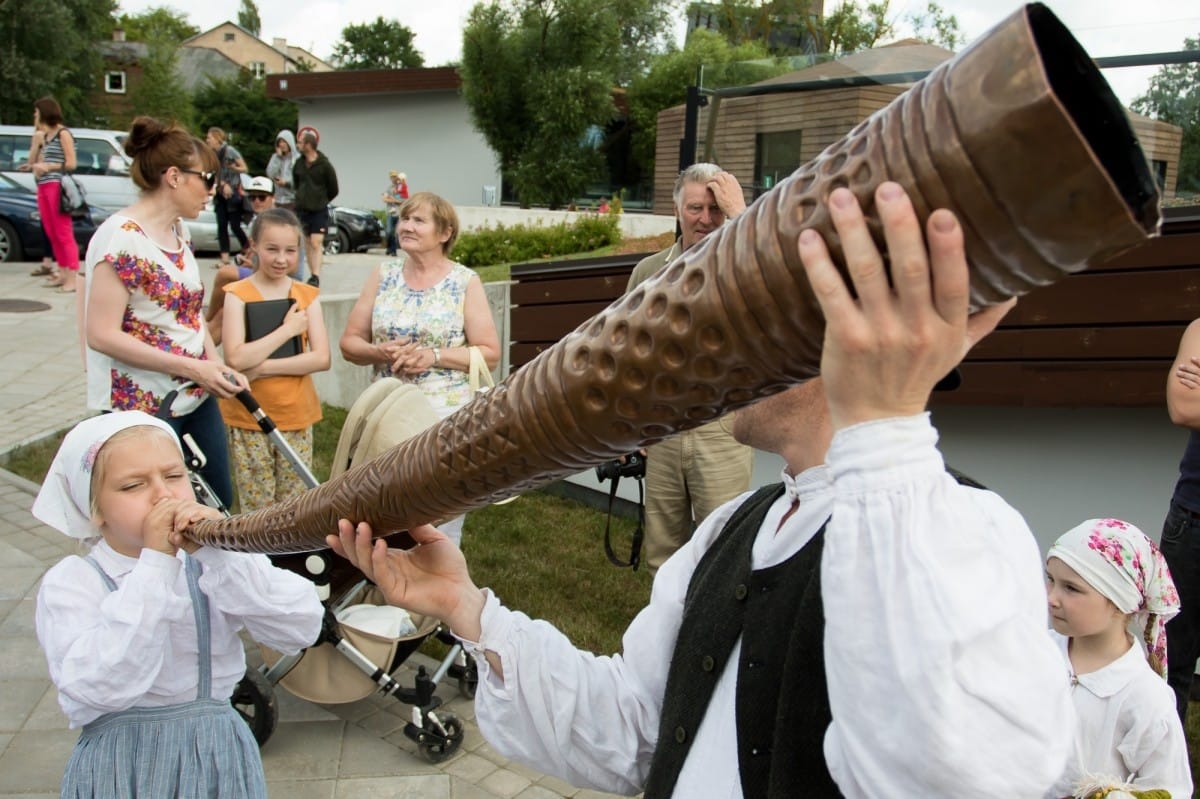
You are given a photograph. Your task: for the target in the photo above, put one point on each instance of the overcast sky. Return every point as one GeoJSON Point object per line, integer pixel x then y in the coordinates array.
{"type": "Point", "coordinates": [1104, 27]}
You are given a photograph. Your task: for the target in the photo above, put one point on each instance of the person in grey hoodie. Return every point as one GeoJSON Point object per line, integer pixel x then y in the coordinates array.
{"type": "Point", "coordinates": [279, 169]}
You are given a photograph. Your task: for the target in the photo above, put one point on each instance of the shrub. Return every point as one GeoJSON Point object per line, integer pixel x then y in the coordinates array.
{"type": "Point", "coordinates": [517, 243]}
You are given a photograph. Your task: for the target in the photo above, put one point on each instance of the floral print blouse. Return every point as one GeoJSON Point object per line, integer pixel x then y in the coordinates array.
{"type": "Point", "coordinates": [432, 317]}
{"type": "Point", "coordinates": [165, 310]}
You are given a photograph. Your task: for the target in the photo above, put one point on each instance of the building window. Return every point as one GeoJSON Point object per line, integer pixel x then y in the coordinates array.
{"type": "Point", "coordinates": [114, 82]}
{"type": "Point", "coordinates": [1160, 173]}
{"type": "Point", "coordinates": [229, 37]}
{"type": "Point", "coordinates": [257, 68]}
{"type": "Point", "coordinates": [776, 155]}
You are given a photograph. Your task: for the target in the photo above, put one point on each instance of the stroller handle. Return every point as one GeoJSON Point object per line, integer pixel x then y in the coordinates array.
{"type": "Point", "coordinates": [264, 422]}
{"type": "Point", "coordinates": [267, 425]}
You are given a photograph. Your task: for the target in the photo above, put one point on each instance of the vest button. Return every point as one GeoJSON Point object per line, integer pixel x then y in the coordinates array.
{"type": "Point", "coordinates": [680, 734]}
{"type": "Point", "coordinates": [740, 592]}
{"type": "Point", "coordinates": [707, 663]}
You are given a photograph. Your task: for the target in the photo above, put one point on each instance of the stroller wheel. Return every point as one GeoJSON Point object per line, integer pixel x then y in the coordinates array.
{"type": "Point", "coordinates": [436, 746]}
{"type": "Point", "coordinates": [468, 681]}
{"type": "Point", "coordinates": [254, 700]}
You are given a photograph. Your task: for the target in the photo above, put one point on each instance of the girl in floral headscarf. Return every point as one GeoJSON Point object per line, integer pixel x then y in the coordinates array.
{"type": "Point", "coordinates": [1110, 596]}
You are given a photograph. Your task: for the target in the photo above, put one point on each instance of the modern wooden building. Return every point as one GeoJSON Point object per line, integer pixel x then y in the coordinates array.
{"type": "Point", "coordinates": [763, 139]}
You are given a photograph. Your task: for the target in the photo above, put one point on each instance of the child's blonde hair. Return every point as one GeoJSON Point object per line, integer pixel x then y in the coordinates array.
{"type": "Point", "coordinates": [105, 452]}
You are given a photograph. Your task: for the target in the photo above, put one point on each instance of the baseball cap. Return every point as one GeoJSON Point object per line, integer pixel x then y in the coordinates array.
{"type": "Point", "coordinates": [261, 185]}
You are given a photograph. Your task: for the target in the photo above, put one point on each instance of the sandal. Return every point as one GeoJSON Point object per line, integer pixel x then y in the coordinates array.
{"type": "Point", "coordinates": [52, 284]}
{"type": "Point", "coordinates": [42, 271]}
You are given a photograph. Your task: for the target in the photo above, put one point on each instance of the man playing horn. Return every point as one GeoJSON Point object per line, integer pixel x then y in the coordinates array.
{"type": "Point", "coordinates": [868, 627]}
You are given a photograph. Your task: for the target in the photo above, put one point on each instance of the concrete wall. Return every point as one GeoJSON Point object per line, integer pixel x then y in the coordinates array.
{"type": "Point", "coordinates": [428, 136]}
{"type": "Point", "coordinates": [1056, 466]}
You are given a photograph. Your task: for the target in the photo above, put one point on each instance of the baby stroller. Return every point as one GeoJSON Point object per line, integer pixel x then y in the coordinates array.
{"type": "Point", "coordinates": [362, 643]}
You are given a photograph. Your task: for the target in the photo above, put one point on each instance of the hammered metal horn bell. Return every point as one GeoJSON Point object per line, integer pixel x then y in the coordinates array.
{"type": "Point", "coordinates": [1019, 135]}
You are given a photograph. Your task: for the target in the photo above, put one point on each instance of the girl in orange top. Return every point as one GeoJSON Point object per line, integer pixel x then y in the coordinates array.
{"type": "Point", "coordinates": [283, 386]}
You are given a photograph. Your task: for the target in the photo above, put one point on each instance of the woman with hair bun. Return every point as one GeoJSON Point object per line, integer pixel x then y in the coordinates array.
{"type": "Point", "coordinates": [146, 342]}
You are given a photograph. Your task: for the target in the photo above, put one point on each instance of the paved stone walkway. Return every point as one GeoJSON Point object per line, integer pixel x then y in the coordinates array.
{"type": "Point", "coordinates": [356, 750]}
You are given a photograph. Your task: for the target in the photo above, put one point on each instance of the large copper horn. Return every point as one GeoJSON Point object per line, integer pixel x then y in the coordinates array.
{"type": "Point", "coordinates": [1018, 134]}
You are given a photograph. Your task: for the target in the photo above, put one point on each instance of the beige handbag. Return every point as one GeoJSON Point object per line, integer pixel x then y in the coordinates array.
{"type": "Point", "coordinates": [479, 377]}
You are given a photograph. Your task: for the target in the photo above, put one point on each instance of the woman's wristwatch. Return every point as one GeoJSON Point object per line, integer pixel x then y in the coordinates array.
{"type": "Point", "coordinates": [437, 356]}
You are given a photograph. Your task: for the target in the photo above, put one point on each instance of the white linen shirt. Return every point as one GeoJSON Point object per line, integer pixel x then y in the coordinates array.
{"type": "Point", "coordinates": [942, 681]}
{"type": "Point", "coordinates": [136, 646]}
{"type": "Point", "coordinates": [1128, 727]}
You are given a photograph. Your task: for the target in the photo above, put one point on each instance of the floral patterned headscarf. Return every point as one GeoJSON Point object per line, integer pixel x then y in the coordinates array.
{"type": "Point", "coordinates": [1119, 561]}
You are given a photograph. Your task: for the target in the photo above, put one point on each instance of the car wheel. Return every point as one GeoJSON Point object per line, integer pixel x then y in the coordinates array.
{"type": "Point", "coordinates": [10, 244]}
{"type": "Point", "coordinates": [338, 242]}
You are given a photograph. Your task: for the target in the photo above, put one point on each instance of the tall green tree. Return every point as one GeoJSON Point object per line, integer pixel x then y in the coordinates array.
{"type": "Point", "coordinates": [538, 78]}
{"type": "Point", "coordinates": [665, 85]}
{"type": "Point", "coordinates": [382, 44]}
{"type": "Point", "coordinates": [248, 17]}
{"type": "Point", "coordinates": [161, 93]}
{"type": "Point", "coordinates": [241, 107]}
{"type": "Point", "coordinates": [48, 47]}
{"type": "Point", "coordinates": [852, 27]}
{"type": "Point", "coordinates": [782, 27]}
{"type": "Point", "coordinates": [156, 23]}
{"type": "Point", "coordinates": [936, 26]}
{"type": "Point", "coordinates": [1174, 96]}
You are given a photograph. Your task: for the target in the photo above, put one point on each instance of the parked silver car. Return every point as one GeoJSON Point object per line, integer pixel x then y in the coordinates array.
{"type": "Point", "coordinates": [102, 167]}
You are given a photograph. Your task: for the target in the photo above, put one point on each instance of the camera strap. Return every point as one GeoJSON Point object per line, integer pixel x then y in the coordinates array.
{"type": "Point", "coordinates": [635, 548]}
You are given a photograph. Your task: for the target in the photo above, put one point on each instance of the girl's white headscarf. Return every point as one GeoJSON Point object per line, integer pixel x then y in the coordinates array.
{"type": "Point", "coordinates": [64, 502]}
{"type": "Point", "coordinates": [1119, 561]}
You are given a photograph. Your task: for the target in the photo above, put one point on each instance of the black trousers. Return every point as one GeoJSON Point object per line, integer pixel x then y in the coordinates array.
{"type": "Point", "coordinates": [229, 214]}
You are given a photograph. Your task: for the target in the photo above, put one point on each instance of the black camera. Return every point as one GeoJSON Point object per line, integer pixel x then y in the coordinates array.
{"type": "Point", "coordinates": [634, 466]}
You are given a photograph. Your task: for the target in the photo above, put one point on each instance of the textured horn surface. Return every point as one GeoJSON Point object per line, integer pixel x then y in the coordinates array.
{"type": "Point", "coordinates": [1018, 135]}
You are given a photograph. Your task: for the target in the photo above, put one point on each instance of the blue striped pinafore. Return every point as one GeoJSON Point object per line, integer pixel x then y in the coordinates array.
{"type": "Point", "coordinates": [201, 748]}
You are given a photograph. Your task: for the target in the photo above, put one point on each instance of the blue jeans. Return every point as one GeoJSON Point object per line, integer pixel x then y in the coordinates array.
{"type": "Point", "coordinates": [1180, 545]}
{"type": "Point", "coordinates": [207, 429]}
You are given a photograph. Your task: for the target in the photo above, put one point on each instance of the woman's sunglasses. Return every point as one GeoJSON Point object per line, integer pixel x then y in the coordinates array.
{"type": "Point", "coordinates": [209, 178]}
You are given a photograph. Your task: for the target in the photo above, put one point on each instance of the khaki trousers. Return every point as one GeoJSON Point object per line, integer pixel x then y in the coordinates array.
{"type": "Point", "coordinates": [688, 477]}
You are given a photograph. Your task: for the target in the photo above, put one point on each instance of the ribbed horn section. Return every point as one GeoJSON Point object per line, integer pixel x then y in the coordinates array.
{"type": "Point", "coordinates": [1019, 135]}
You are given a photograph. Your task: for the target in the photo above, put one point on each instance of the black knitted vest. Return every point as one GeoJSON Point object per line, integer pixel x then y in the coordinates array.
{"type": "Point", "coordinates": [782, 701]}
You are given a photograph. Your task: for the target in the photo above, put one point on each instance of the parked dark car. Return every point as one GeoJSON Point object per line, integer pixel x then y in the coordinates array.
{"type": "Point", "coordinates": [21, 224]}
{"type": "Point", "coordinates": [352, 230]}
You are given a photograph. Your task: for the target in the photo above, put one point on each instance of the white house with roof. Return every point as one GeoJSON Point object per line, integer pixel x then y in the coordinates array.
{"type": "Point", "coordinates": [409, 120]}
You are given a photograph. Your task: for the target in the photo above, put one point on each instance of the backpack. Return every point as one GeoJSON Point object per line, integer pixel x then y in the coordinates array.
{"type": "Point", "coordinates": [72, 198]}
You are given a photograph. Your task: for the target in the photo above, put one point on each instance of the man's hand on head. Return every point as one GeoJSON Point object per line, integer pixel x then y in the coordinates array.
{"type": "Point", "coordinates": [885, 350]}
{"type": "Point", "coordinates": [728, 194]}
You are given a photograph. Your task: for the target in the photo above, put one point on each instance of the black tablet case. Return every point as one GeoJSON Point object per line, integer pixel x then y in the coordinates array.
{"type": "Point", "coordinates": [265, 316]}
